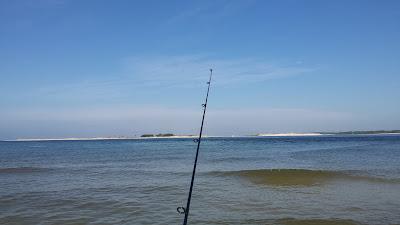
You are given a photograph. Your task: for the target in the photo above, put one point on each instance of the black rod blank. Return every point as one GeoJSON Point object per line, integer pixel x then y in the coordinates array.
{"type": "Point", "coordinates": [186, 210]}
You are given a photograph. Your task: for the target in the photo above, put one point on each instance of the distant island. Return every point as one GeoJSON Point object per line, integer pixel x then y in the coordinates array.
{"type": "Point", "coordinates": [365, 132]}
{"type": "Point", "coordinates": [158, 135]}
{"type": "Point", "coordinates": [166, 135]}
{"type": "Point", "coordinates": [171, 135]}
{"type": "Point", "coordinates": [330, 133]}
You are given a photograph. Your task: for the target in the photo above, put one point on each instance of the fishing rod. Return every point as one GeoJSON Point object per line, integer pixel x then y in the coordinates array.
{"type": "Point", "coordinates": [185, 210]}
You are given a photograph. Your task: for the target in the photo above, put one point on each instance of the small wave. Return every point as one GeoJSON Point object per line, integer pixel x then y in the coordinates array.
{"type": "Point", "coordinates": [298, 177]}
{"type": "Point", "coordinates": [232, 159]}
{"type": "Point", "coordinates": [292, 221]}
{"type": "Point", "coordinates": [11, 170]}
{"type": "Point", "coordinates": [283, 221]}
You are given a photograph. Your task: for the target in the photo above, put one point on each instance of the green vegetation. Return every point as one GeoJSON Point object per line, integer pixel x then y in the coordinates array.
{"type": "Point", "coordinates": [165, 135]}
{"type": "Point", "coordinates": [158, 135]}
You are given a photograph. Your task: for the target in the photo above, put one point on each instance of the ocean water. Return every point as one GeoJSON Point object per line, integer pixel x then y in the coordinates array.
{"type": "Point", "coordinates": [255, 180]}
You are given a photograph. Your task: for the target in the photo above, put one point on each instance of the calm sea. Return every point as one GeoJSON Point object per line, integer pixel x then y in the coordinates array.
{"type": "Point", "coordinates": [257, 180]}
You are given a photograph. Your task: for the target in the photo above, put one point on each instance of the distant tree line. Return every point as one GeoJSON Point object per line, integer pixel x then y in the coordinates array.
{"type": "Point", "coordinates": [158, 135]}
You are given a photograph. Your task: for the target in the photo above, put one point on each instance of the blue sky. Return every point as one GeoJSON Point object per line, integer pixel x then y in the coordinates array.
{"type": "Point", "coordinates": [103, 68]}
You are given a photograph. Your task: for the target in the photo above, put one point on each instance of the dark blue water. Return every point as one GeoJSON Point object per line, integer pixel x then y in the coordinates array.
{"type": "Point", "coordinates": [143, 181]}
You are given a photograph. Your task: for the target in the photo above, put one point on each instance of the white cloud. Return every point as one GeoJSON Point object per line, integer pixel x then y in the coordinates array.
{"type": "Point", "coordinates": [190, 69]}
{"type": "Point", "coordinates": [207, 11]}
{"type": "Point", "coordinates": [150, 73]}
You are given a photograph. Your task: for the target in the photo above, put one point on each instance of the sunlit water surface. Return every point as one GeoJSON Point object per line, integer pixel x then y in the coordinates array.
{"type": "Point", "coordinates": [266, 180]}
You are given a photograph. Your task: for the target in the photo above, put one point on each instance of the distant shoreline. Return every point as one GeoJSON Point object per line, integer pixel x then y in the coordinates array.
{"type": "Point", "coordinates": [289, 135]}
{"type": "Point", "coordinates": [395, 132]}
{"type": "Point", "coordinates": [98, 138]}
